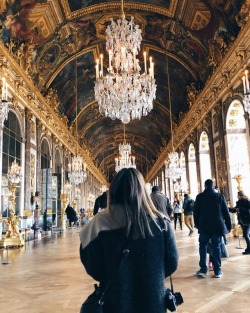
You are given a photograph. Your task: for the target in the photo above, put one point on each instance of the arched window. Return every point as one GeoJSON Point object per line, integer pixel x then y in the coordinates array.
{"type": "Point", "coordinates": [205, 163]}
{"type": "Point", "coordinates": [192, 171]}
{"type": "Point", "coordinates": [184, 183]}
{"type": "Point", "coordinates": [58, 162]}
{"type": "Point", "coordinates": [45, 154]}
{"type": "Point", "coordinates": [12, 142]}
{"type": "Point", "coordinates": [237, 150]}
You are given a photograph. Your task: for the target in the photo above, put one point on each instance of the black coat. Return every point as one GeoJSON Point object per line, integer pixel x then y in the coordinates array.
{"type": "Point", "coordinates": [244, 206]}
{"type": "Point", "coordinates": [71, 214]}
{"type": "Point", "coordinates": [100, 203]}
{"type": "Point", "coordinates": [139, 284]}
{"type": "Point", "coordinates": [211, 214]}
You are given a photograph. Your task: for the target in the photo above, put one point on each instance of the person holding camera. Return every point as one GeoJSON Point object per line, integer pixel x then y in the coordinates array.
{"type": "Point", "coordinates": [130, 249]}
{"type": "Point", "coordinates": [212, 219]}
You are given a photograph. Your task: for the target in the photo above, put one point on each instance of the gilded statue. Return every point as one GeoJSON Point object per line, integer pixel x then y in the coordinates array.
{"type": "Point", "coordinates": [191, 94]}
{"type": "Point", "coordinates": [12, 229]}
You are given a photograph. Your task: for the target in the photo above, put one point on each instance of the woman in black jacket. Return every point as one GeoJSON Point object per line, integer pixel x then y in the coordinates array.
{"type": "Point", "coordinates": [131, 221]}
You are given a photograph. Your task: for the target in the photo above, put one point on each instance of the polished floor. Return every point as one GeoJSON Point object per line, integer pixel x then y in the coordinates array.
{"type": "Point", "coordinates": [46, 276]}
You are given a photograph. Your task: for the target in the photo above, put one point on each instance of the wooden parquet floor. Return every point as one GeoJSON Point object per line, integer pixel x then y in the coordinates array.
{"type": "Point", "coordinates": [46, 276]}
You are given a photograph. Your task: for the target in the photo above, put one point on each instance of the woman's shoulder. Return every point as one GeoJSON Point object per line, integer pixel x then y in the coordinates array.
{"type": "Point", "coordinates": [102, 221]}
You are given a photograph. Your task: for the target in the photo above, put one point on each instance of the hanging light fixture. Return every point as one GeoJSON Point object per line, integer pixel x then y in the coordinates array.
{"type": "Point", "coordinates": [77, 172]}
{"type": "Point", "coordinates": [125, 159]}
{"type": "Point", "coordinates": [124, 93]}
{"type": "Point", "coordinates": [67, 187]}
{"type": "Point", "coordinates": [14, 173]}
{"type": "Point", "coordinates": [246, 100]}
{"type": "Point", "coordinates": [4, 104]}
{"type": "Point", "coordinates": [173, 165]}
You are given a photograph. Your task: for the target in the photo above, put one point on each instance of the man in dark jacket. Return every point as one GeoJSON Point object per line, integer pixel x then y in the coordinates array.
{"type": "Point", "coordinates": [100, 203]}
{"type": "Point", "coordinates": [188, 206]}
{"type": "Point", "coordinates": [212, 218]}
{"type": "Point", "coordinates": [161, 201]}
{"type": "Point", "coordinates": [71, 215]}
{"type": "Point", "coordinates": [242, 208]}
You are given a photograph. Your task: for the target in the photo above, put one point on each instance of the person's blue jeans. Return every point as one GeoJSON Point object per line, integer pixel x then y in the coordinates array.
{"type": "Point", "coordinates": [216, 246]}
{"type": "Point", "coordinates": [246, 234]}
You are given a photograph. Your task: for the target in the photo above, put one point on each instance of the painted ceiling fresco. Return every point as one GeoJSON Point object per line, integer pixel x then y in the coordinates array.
{"type": "Point", "coordinates": [56, 43]}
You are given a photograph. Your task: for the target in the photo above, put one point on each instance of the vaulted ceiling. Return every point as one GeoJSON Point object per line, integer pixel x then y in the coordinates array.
{"type": "Point", "coordinates": [57, 43]}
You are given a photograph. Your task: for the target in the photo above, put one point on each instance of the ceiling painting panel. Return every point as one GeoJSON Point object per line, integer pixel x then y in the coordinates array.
{"type": "Point", "coordinates": [65, 84]}
{"type": "Point", "coordinates": [77, 5]}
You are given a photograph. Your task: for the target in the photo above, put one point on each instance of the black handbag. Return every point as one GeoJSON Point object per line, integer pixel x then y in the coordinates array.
{"type": "Point", "coordinates": [172, 299]}
{"type": "Point", "coordinates": [95, 301]}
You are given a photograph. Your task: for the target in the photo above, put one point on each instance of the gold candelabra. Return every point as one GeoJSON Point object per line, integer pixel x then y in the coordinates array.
{"type": "Point", "coordinates": [12, 236]}
{"type": "Point", "coordinates": [238, 178]}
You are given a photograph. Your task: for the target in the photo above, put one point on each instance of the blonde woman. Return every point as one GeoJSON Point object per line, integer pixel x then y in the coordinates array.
{"type": "Point", "coordinates": [131, 221]}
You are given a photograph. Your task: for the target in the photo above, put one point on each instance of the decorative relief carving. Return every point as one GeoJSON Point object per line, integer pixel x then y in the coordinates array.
{"type": "Point", "coordinates": [32, 171]}
{"type": "Point", "coordinates": [192, 93]}
{"type": "Point", "coordinates": [32, 130]}
{"type": "Point", "coordinates": [215, 123]}
{"type": "Point", "coordinates": [243, 16]}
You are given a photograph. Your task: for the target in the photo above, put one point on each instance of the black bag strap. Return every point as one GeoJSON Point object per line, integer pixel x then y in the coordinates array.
{"type": "Point", "coordinates": [125, 253]}
{"type": "Point", "coordinates": [166, 247]}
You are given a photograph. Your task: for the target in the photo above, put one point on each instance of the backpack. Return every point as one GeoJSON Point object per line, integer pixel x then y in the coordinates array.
{"type": "Point", "coordinates": [190, 206]}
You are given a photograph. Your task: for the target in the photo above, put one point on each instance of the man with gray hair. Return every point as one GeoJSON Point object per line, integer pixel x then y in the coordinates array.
{"type": "Point", "coordinates": [161, 201]}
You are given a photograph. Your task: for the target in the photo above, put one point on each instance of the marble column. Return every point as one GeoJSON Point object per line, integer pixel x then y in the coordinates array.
{"type": "Point", "coordinates": [27, 165]}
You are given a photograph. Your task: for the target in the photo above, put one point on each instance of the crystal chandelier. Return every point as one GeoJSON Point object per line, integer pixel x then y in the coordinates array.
{"type": "Point", "coordinates": [125, 159]}
{"type": "Point", "coordinates": [173, 165]}
{"type": "Point", "coordinates": [4, 104]}
{"type": "Point", "coordinates": [246, 100]}
{"type": "Point", "coordinates": [77, 172]}
{"type": "Point", "coordinates": [180, 186]}
{"type": "Point", "coordinates": [67, 187]}
{"type": "Point", "coordinates": [14, 173]}
{"type": "Point", "coordinates": [173, 170]}
{"type": "Point", "coordinates": [124, 93]}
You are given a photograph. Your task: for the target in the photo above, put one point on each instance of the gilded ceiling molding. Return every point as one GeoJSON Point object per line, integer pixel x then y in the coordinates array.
{"type": "Point", "coordinates": [217, 87]}
{"type": "Point", "coordinates": [23, 89]}
{"type": "Point", "coordinates": [111, 6]}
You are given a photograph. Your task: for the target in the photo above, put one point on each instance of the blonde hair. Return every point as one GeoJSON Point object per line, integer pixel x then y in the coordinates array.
{"type": "Point", "coordinates": [128, 191]}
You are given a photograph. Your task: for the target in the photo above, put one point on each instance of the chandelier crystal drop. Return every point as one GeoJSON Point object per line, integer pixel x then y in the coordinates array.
{"type": "Point", "coordinates": [77, 172]}
{"type": "Point", "coordinates": [246, 100]}
{"type": "Point", "coordinates": [14, 173]}
{"type": "Point", "coordinates": [125, 159]}
{"type": "Point", "coordinates": [123, 93]}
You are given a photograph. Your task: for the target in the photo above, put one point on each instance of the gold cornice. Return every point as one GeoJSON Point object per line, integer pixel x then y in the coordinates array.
{"type": "Point", "coordinates": [117, 7]}
{"type": "Point", "coordinates": [227, 76]}
{"type": "Point", "coordinates": [28, 95]}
